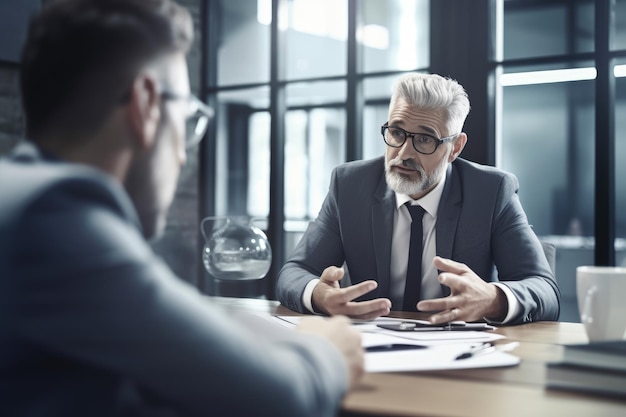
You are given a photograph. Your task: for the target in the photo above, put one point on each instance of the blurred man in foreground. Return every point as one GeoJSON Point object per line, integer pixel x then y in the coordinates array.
{"type": "Point", "coordinates": [92, 323]}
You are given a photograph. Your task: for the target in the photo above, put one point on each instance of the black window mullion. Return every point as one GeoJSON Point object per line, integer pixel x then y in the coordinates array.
{"type": "Point", "coordinates": [354, 111]}
{"type": "Point", "coordinates": [605, 137]}
{"type": "Point", "coordinates": [574, 102]}
{"type": "Point", "coordinates": [460, 48]}
{"type": "Point", "coordinates": [276, 228]}
{"type": "Point", "coordinates": [209, 31]}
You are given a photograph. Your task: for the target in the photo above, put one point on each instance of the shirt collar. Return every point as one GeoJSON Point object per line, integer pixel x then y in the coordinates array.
{"type": "Point", "coordinates": [430, 202]}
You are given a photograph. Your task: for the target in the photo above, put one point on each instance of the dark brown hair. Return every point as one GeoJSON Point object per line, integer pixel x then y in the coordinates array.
{"type": "Point", "coordinates": [81, 56]}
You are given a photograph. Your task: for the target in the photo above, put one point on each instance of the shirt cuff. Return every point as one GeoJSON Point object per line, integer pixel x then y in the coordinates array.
{"type": "Point", "coordinates": [512, 301]}
{"type": "Point", "coordinates": [307, 295]}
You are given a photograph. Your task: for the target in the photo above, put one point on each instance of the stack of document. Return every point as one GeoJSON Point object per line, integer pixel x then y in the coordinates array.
{"type": "Point", "coordinates": [395, 345]}
{"type": "Point", "coordinates": [596, 367]}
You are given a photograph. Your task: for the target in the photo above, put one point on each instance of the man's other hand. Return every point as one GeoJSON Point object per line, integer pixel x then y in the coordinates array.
{"type": "Point", "coordinates": [470, 298]}
{"type": "Point", "coordinates": [329, 298]}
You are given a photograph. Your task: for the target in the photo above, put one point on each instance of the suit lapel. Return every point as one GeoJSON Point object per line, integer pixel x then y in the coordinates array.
{"type": "Point", "coordinates": [382, 228]}
{"type": "Point", "coordinates": [448, 216]}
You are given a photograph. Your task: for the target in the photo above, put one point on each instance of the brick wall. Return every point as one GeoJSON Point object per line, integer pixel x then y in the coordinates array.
{"type": "Point", "coordinates": [179, 245]}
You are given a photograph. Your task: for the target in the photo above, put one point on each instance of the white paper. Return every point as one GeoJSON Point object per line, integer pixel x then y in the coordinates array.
{"type": "Point", "coordinates": [424, 337]}
{"type": "Point", "coordinates": [437, 336]}
{"type": "Point", "coordinates": [442, 347]}
{"type": "Point", "coordinates": [434, 358]}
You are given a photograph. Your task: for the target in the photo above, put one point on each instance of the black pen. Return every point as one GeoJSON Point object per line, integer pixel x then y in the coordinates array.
{"type": "Point", "coordinates": [486, 348]}
{"type": "Point", "coordinates": [390, 347]}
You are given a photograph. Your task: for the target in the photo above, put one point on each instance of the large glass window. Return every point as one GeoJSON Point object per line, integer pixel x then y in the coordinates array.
{"type": "Point", "coordinates": [259, 165]}
{"type": "Point", "coordinates": [315, 143]}
{"type": "Point", "coordinates": [374, 116]}
{"type": "Point", "coordinates": [296, 97]}
{"type": "Point", "coordinates": [548, 123]}
{"type": "Point", "coordinates": [316, 38]}
{"type": "Point", "coordinates": [619, 32]}
{"type": "Point", "coordinates": [620, 157]}
{"type": "Point", "coordinates": [552, 156]}
{"type": "Point", "coordinates": [293, 110]}
{"type": "Point", "coordinates": [242, 152]}
{"type": "Point", "coordinates": [287, 110]}
{"type": "Point", "coordinates": [394, 34]}
{"type": "Point", "coordinates": [244, 47]}
{"type": "Point", "coordinates": [547, 142]}
{"type": "Point", "coordinates": [547, 28]}
{"type": "Point", "coordinates": [377, 92]}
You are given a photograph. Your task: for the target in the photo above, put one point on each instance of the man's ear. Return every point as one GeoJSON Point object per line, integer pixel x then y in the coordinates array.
{"type": "Point", "coordinates": [457, 146]}
{"type": "Point", "coordinates": [144, 109]}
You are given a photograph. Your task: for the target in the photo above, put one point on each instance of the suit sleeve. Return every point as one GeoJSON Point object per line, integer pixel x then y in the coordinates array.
{"type": "Point", "coordinates": [320, 247]}
{"type": "Point", "coordinates": [115, 306]}
{"type": "Point", "coordinates": [520, 260]}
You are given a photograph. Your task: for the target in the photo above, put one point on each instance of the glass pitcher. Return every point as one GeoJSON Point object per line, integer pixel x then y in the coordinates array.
{"type": "Point", "coordinates": [234, 250]}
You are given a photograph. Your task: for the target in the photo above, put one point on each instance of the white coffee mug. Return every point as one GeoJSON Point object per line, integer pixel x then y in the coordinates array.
{"type": "Point", "coordinates": [601, 292]}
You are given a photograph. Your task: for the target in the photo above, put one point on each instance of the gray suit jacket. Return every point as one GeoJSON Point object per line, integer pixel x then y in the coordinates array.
{"type": "Point", "coordinates": [92, 323]}
{"type": "Point", "coordinates": [480, 222]}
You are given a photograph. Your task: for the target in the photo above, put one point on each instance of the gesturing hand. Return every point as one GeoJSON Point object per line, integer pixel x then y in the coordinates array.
{"type": "Point", "coordinates": [329, 298]}
{"type": "Point", "coordinates": [470, 297]}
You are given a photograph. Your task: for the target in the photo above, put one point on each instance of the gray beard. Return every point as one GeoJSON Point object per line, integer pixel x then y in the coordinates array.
{"type": "Point", "coordinates": [402, 184]}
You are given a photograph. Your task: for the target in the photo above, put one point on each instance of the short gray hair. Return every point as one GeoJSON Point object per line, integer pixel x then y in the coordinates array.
{"type": "Point", "coordinates": [432, 91]}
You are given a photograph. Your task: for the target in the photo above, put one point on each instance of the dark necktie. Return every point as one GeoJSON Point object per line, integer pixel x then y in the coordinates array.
{"type": "Point", "coordinates": [414, 268]}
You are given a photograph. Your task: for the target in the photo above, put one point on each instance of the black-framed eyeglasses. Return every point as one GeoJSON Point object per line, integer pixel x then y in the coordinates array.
{"type": "Point", "coordinates": [423, 143]}
{"type": "Point", "coordinates": [198, 117]}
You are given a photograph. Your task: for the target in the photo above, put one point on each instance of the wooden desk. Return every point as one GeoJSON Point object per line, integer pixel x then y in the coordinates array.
{"type": "Point", "coordinates": [511, 391]}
